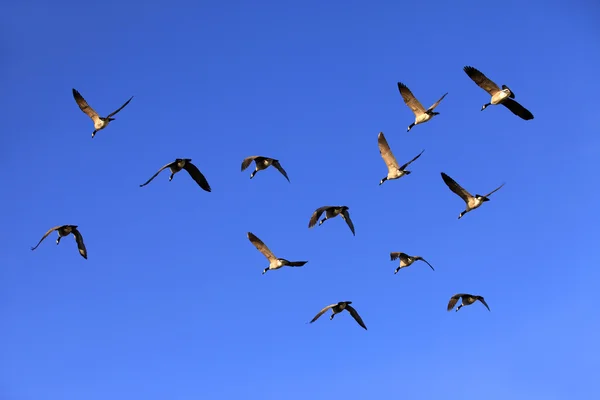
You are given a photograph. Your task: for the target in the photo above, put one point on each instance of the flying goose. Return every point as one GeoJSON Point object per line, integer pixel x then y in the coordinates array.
{"type": "Point", "coordinates": [274, 262]}
{"type": "Point", "coordinates": [338, 308]}
{"type": "Point", "coordinates": [65, 230]}
{"type": "Point", "coordinates": [263, 163]}
{"type": "Point", "coordinates": [178, 165]}
{"type": "Point", "coordinates": [331, 212]}
{"type": "Point", "coordinates": [421, 115]}
{"type": "Point", "coordinates": [502, 96]}
{"type": "Point", "coordinates": [406, 260]}
{"type": "Point", "coordinates": [394, 170]}
{"type": "Point", "coordinates": [99, 122]}
{"type": "Point", "coordinates": [472, 202]}
{"type": "Point", "coordinates": [467, 300]}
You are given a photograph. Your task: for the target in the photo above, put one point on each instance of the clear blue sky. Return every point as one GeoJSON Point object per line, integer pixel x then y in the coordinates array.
{"type": "Point", "coordinates": [171, 303]}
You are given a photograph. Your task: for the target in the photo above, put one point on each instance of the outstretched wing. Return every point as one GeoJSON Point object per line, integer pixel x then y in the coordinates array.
{"type": "Point", "coordinates": [322, 312]}
{"type": "Point", "coordinates": [386, 153]}
{"type": "Point", "coordinates": [410, 100]}
{"type": "Point", "coordinates": [402, 168]}
{"type": "Point", "coordinates": [454, 300]}
{"type": "Point", "coordinates": [85, 107]}
{"type": "Point", "coordinates": [159, 171]}
{"type": "Point", "coordinates": [45, 235]}
{"type": "Point", "coordinates": [80, 245]}
{"type": "Point", "coordinates": [484, 303]}
{"type": "Point", "coordinates": [277, 165]}
{"type": "Point", "coordinates": [261, 246]}
{"type": "Point", "coordinates": [456, 188]}
{"type": "Point", "coordinates": [355, 315]}
{"type": "Point", "coordinates": [490, 193]}
{"type": "Point", "coordinates": [316, 215]}
{"type": "Point", "coordinates": [426, 262]}
{"type": "Point", "coordinates": [120, 108]}
{"type": "Point", "coordinates": [481, 80]}
{"type": "Point", "coordinates": [296, 263]}
{"type": "Point", "coordinates": [346, 216]}
{"type": "Point", "coordinates": [247, 161]}
{"type": "Point", "coordinates": [398, 255]}
{"type": "Point", "coordinates": [437, 103]}
{"type": "Point", "coordinates": [197, 175]}
{"type": "Point", "coordinates": [517, 109]}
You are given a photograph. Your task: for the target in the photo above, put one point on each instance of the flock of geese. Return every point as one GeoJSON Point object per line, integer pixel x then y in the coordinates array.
{"type": "Point", "coordinates": [503, 96]}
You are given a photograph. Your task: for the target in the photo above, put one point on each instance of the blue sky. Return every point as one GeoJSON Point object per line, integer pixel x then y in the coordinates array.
{"type": "Point", "coordinates": [171, 303]}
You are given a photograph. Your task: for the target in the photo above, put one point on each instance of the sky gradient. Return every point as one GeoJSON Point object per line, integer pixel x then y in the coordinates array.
{"type": "Point", "coordinates": [171, 303]}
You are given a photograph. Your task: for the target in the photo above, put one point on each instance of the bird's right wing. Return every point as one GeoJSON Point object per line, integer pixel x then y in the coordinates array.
{"type": "Point", "coordinates": [45, 235]}
{"type": "Point", "coordinates": [493, 191]}
{"type": "Point", "coordinates": [456, 188]}
{"type": "Point", "coordinates": [158, 172]}
{"type": "Point", "coordinates": [355, 315]}
{"type": "Point", "coordinates": [517, 109]}
{"type": "Point", "coordinates": [437, 103]}
{"type": "Point", "coordinates": [315, 217]}
{"type": "Point", "coordinates": [322, 312]}
{"type": "Point", "coordinates": [397, 255]}
{"type": "Point", "coordinates": [260, 246]}
{"type": "Point", "coordinates": [247, 161]}
{"type": "Point", "coordinates": [454, 300]}
{"type": "Point", "coordinates": [386, 153]}
{"type": "Point", "coordinates": [277, 165]}
{"type": "Point", "coordinates": [484, 303]}
{"type": "Point", "coordinates": [120, 108]}
{"type": "Point", "coordinates": [85, 107]}
{"type": "Point", "coordinates": [402, 168]}
{"type": "Point", "coordinates": [481, 80]}
{"type": "Point", "coordinates": [410, 100]}
{"type": "Point", "coordinates": [197, 176]}
{"type": "Point", "coordinates": [346, 217]}
{"type": "Point", "coordinates": [80, 245]}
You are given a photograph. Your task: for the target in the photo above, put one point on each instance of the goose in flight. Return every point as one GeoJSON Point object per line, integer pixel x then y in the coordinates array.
{"type": "Point", "coordinates": [331, 212]}
{"type": "Point", "coordinates": [338, 308]}
{"type": "Point", "coordinates": [395, 171]}
{"type": "Point", "coordinates": [178, 165]}
{"type": "Point", "coordinates": [99, 122]}
{"type": "Point", "coordinates": [263, 163]}
{"type": "Point", "coordinates": [406, 260]}
{"type": "Point", "coordinates": [467, 300]}
{"type": "Point", "coordinates": [421, 114]}
{"type": "Point", "coordinates": [65, 230]}
{"type": "Point", "coordinates": [502, 96]}
{"type": "Point", "coordinates": [274, 262]}
{"type": "Point", "coordinates": [472, 202]}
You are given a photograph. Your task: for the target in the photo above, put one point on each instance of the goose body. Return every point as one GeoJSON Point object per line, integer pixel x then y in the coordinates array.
{"type": "Point", "coordinates": [331, 212]}
{"type": "Point", "coordinates": [472, 202]}
{"type": "Point", "coordinates": [467, 299]}
{"type": "Point", "coordinates": [274, 262]}
{"type": "Point", "coordinates": [65, 230]}
{"type": "Point", "coordinates": [99, 122]}
{"type": "Point", "coordinates": [406, 260]}
{"type": "Point", "coordinates": [337, 308]}
{"type": "Point", "coordinates": [261, 163]}
{"type": "Point", "coordinates": [395, 171]}
{"type": "Point", "coordinates": [422, 115]}
{"type": "Point", "coordinates": [178, 165]}
{"type": "Point", "coordinates": [503, 96]}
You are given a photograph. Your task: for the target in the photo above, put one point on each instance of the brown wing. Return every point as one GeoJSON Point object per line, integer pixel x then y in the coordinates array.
{"type": "Point", "coordinates": [247, 161]}
{"type": "Point", "coordinates": [84, 106]}
{"type": "Point", "coordinates": [158, 172]}
{"type": "Point", "coordinates": [322, 312]}
{"type": "Point", "coordinates": [456, 188]}
{"type": "Point", "coordinates": [46, 235]}
{"type": "Point", "coordinates": [197, 175]}
{"type": "Point", "coordinates": [517, 109]}
{"type": "Point", "coordinates": [120, 108]}
{"type": "Point", "coordinates": [316, 215]}
{"type": "Point", "coordinates": [402, 168]}
{"type": "Point", "coordinates": [490, 193]}
{"type": "Point", "coordinates": [395, 256]}
{"type": "Point", "coordinates": [454, 300]}
{"type": "Point", "coordinates": [410, 100]}
{"type": "Point", "coordinates": [437, 103]}
{"type": "Point", "coordinates": [355, 315]}
{"type": "Point", "coordinates": [484, 303]}
{"type": "Point", "coordinates": [386, 153]}
{"type": "Point", "coordinates": [346, 217]}
{"type": "Point", "coordinates": [261, 246]}
{"type": "Point", "coordinates": [481, 80]}
{"type": "Point", "coordinates": [277, 165]}
{"type": "Point", "coordinates": [80, 245]}
{"type": "Point", "coordinates": [426, 262]}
